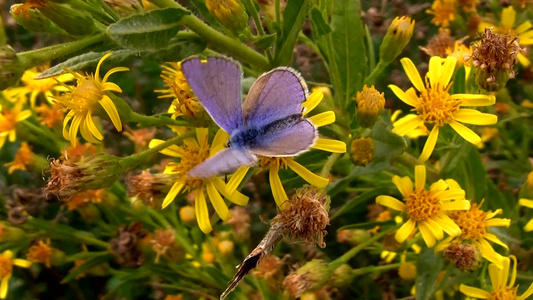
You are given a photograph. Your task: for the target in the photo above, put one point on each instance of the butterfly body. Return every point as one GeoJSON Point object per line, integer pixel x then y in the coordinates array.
{"type": "Point", "coordinates": [270, 122]}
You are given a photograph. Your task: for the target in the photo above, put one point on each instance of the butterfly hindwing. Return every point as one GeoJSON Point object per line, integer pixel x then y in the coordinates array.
{"type": "Point", "coordinates": [289, 139]}
{"type": "Point", "coordinates": [224, 162]}
{"type": "Point", "coordinates": [273, 96]}
{"type": "Point", "coordinates": [217, 84]}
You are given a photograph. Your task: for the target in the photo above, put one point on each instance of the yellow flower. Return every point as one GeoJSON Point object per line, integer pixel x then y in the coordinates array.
{"type": "Point", "coordinates": [443, 12]}
{"type": "Point", "coordinates": [426, 208]}
{"type": "Point", "coordinates": [8, 122]}
{"type": "Point", "coordinates": [474, 224]}
{"type": "Point", "coordinates": [527, 203]}
{"type": "Point", "coordinates": [6, 268]}
{"type": "Point", "coordinates": [507, 26]}
{"type": "Point", "coordinates": [47, 86]}
{"type": "Point", "coordinates": [40, 253]}
{"type": "Point", "coordinates": [82, 100]}
{"type": "Point", "coordinates": [435, 105]}
{"type": "Point", "coordinates": [23, 158]}
{"type": "Point", "coordinates": [192, 153]}
{"type": "Point", "coordinates": [277, 163]}
{"type": "Point", "coordinates": [422, 130]}
{"type": "Point", "coordinates": [501, 289]}
{"type": "Point", "coordinates": [49, 115]}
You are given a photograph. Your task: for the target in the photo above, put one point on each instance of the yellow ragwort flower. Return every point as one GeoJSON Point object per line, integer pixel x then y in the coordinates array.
{"type": "Point", "coordinates": [502, 286]}
{"type": "Point", "coordinates": [48, 87]}
{"type": "Point", "coordinates": [426, 209]}
{"type": "Point", "coordinates": [83, 99]}
{"type": "Point", "coordinates": [474, 224]}
{"type": "Point", "coordinates": [527, 203]}
{"type": "Point", "coordinates": [6, 269]}
{"type": "Point", "coordinates": [192, 153]}
{"type": "Point", "coordinates": [443, 12]}
{"type": "Point", "coordinates": [40, 253]}
{"type": "Point", "coordinates": [8, 122]}
{"type": "Point", "coordinates": [524, 31]}
{"type": "Point", "coordinates": [436, 106]}
{"type": "Point", "coordinates": [22, 160]}
{"type": "Point", "coordinates": [275, 164]}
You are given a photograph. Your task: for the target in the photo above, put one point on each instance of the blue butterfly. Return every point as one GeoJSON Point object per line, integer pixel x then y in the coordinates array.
{"type": "Point", "coordinates": [270, 121]}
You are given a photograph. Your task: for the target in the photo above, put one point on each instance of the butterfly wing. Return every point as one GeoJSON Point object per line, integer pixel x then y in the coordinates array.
{"type": "Point", "coordinates": [217, 84]}
{"type": "Point", "coordinates": [224, 162]}
{"type": "Point", "coordinates": [289, 138]}
{"type": "Point", "coordinates": [275, 95]}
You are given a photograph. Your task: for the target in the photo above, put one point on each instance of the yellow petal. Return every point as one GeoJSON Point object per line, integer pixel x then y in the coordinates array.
{"type": "Point", "coordinates": [435, 229]}
{"type": "Point", "coordinates": [413, 74]}
{"type": "Point", "coordinates": [237, 178]}
{"type": "Point", "coordinates": [307, 175]}
{"type": "Point", "coordinates": [508, 18]}
{"type": "Point", "coordinates": [220, 139]}
{"type": "Point", "coordinates": [522, 28]}
{"type": "Point", "coordinates": [404, 185]}
{"type": "Point", "coordinates": [496, 275]}
{"type": "Point", "coordinates": [472, 116]}
{"type": "Point", "coordinates": [430, 144]}
{"type": "Point", "coordinates": [312, 101]}
{"type": "Point", "coordinates": [498, 222]}
{"type": "Point", "coordinates": [488, 253]}
{"type": "Point", "coordinates": [427, 235]}
{"type": "Point", "coordinates": [201, 136]}
{"type": "Point", "coordinates": [277, 188]}
{"type": "Point", "coordinates": [391, 202]}
{"type": "Point", "coordinates": [448, 225]}
{"type": "Point", "coordinates": [73, 130]}
{"type": "Point", "coordinates": [403, 96]}
{"type": "Point", "coordinates": [173, 150]}
{"type": "Point", "coordinates": [525, 202]}
{"type": "Point", "coordinates": [111, 111]}
{"type": "Point", "coordinates": [527, 293]}
{"type": "Point", "coordinates": [23, 115]}
{"type": "Point", "coordinates": [330, 145]}
{"type": "Point", "coordinates": [235, 197]}
{"type": "Point", "coordinates": [323, 119]}
{"type": "Point", "coordinates": [447, 70]}
{"type": "Point", "coordinates": [420, 177]}
{"type": "Point", "coordinates": [114, 70]}
{"type": "Point", "coordinates": [97, 72]}
{"type": "Point", "coordinates": [465, 132]}
{"type": "Point", "coordinates": [529, 226]}
{"type": "Point", "coordinates": [218, 203]}
{"type": "Point", "coordinates": [4, 286]}
{"type": "Point", "coordinates": [405, 231]}
{"type": "Point", "coordinates": [524, 61]}
{"type": "Point", "coordinates": [110, 86]}
{"type": "Point", "coordinates": [86, 133]}
{"type": "Point", "coordinates": [491, 237]}
{"type": "Point", "coordinates": [174, 190]}
{"type": "Point", "coordinates": [474, 100]}
{"type": "Point", "coordinates": [434, 70]}
{"type": "Point", "coordinates": [473, 292]}
{"type": "Point", "coordinates": [438, 186]}
{"type": "Point", "coordinates": [202, 214]}
{"type": "Point", "coordinates": [456, 205]}
{"type": "Point", "coordinates": [21, 263]}
{"type": "Point", "coordinates": [406, 124]}
{"type": "Point", "coordinates": [92, 128]}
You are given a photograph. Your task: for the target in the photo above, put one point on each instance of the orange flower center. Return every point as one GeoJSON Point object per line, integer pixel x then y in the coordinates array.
{"type": "Point", "coordinates": [9, 122]}
{"type": "Point", "coordinates": [503, 294]}
{"type": "Point", "coordinates": [83, 97]}
{"type": "Point", "coordinates": [273, 162]}
{"type": "Point", "coordinates": [5, 266]}
{"type": "Point", "coordinates": [471, 222]}
{"type": "Point", "coordinates": [422, 205]}
{"type": "Point", "coordinates": [436, 105]}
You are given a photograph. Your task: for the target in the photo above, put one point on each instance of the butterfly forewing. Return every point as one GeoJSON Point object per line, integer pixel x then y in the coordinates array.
{"type": "Point", "coordinates": [224, 162]}
{"type": "Point", "coordinates": [273, 96]}
{"type": "Point", "coordinates": [217, 84]}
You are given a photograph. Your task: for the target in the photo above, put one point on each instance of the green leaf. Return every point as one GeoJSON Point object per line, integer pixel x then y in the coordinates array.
{"type": "Point", "coordinates": [428, 267]}
{"type": "Point", "coordinates": [360, 199]}
{"type": "Point", "coordinates": [367, 225]}
{"type": "Point", "coordinates": [387, 143]}
{"type": "Point", "coordinates": [265, 41]}
{"type": "Point", "coordinates": [149, 31]}
{"type": "Point", "coordinates": [319, 24]}
{"type": "Point", "coordinates": [176, 51]}
{"type": "Point", "coordinates": [86, 266]}
{"type": "Point", "coordinates": [293, 19]}
{"type": "Point", "coordinates": [348, 56]}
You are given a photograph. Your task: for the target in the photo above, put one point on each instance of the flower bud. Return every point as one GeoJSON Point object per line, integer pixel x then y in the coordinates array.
{"type": "Point", "coordinates": [362, 151]}
{"type": "Point", "coordinates": [313, 275]}
{"type": "Point", "coordinates": [230, 13]}
{"type": "Point", "coordinates": [11, 69]}
{"type": "Point", "coordinates": [353, 237]}
{"type": "Point", "coordinates": [396, 38]}
{"type": "Point", "coordinates": [465, 257]}
{"type": "Point", "coordinates": [73, 21]}
{"type": "Point", "coordinates": [342, 276]}
{"type": "Point", "coordinates": [33, 20]}
{"type": "Point", "coordinates": [11, 234]}
{"type": "Point", "coordinates": [97, 171]}
{"type": "Point", "coordinates": [226, 247]}
{"type": "Point", "coordinates": [494, 58]}
{"type": "Point", "coordinates": [188, 214]}
{"type": "Point", "coordinates": [370, 103]}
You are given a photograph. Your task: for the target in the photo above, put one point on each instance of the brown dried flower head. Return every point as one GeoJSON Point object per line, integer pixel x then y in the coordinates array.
{"type": "Point", "coordinates": [126, 245]}
{"type": "Point", "coordinates": [311, 276]}
{"type": "Point", "coordinates": [269, 267]}
{"type": "Point", "coordinates": [240, 222]}
{"type": "Point", "coordinates": [438, 44]}
{"type": "Point", "coordinates": [306, 216]}
{"type": "Point", "coordinates": [162, 241]}
{"type": "Point", "coordinates": [465, 257]}
{"type": "Point", "coordinates": [494, 58]}
{"type": "Point", "coordinates": [149, 187]}
{"type": "Point", "coordinates": [95, 172]}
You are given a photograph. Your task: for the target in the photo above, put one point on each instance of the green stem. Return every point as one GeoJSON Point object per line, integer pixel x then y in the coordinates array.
{"type": "Point", "coordinates": [250, 7]}
{"type": "Point", "coordinates": [3, 39]}
{"type": "Point", "coordinates": [350, 254]}
{"type": "Point", "coordinates": [90, 240]}
{"type": "Point", "coordinates": [373, 269]}
{"type": "Point", "coordinates": [329, 164]}
{"type": "Point", "coordinates": [306, 40]}
{"type": "Point", "coordinates": [129, 162]}
{"type": "Point", "coordinates": [218, 40]}
{"type": "Point", "coordinates": [156, 120]}
{"type": "Point", "coordinates": [37, 57]}
{"type": "Point", "coordinates": [371, 78]}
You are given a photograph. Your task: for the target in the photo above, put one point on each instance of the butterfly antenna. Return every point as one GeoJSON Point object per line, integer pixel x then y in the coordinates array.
{"type": "Point", "coordinates": [263, 249]}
